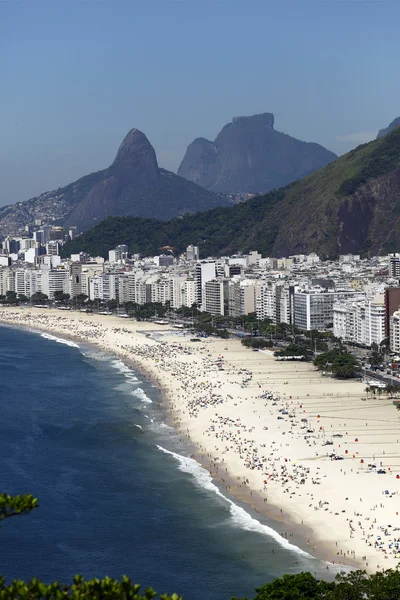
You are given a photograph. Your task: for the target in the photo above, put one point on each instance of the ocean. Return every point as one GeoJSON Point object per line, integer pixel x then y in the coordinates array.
{"type": "Point", "coordinates": [117, 489]}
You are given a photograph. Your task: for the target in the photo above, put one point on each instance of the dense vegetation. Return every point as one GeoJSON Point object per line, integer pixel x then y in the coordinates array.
{"type": "Point", "coordinates": [257, 343]}
{"type": "Point", "coordinates": [383, 160]}
{"type": "Point", "coordinates": [353, 586]}
{"type": "Point", "coordinates": [341, 364]}
{"type": "Point", "coordinates": [319, 213]}
{"type": "Point", "coordinates": [214, 231]}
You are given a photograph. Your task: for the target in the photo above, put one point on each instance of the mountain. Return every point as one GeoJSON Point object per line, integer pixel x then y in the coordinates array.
{"type": "Point", "coordinates": [351, 205]}
{"type": "Point", "coordinates": [248, 155]}
{"type": "Point", "coordinates": [133, 185]}
{"type": "Point", "coordinates": [393, 125]}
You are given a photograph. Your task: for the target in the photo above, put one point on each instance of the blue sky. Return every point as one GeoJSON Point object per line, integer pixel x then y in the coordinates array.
{"type": "Point", "coordinates": [76, 75]}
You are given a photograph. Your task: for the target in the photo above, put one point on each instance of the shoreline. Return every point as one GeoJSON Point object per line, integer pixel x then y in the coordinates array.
{"type": "Point", "coordinates": [152, 358]}
{"type": "Point", "coordinates": [292, 534]}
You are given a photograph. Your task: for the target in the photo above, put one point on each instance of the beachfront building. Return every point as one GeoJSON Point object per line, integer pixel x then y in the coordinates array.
{"type": "Point", "coordinates": [216, 297]}
{"type": "Point", "coordinates": [205, 271]}
{"type": "Point", "coordinates": [54, 280]}
{"type": "Point", "coordinates": [104, 287]}
{"type": "Point", "coordinates": [395, 332]}
{"type": "Point", "coordinates": [360, 321]}
{"type": "Point", "coordinates": [242, 297]}
{"type": "Point", "coordinates": [313, 308]}
{"type": "Point", "coordinates": [189, 292]}
{"type": "Point", "coordinates": [274, 302]}
{"type": "Point", "coordinates": [7, 281]}
{"type": "Point", "coordinates": [392, 304]}
{"type": "Point", "coordinates": [28, 282]}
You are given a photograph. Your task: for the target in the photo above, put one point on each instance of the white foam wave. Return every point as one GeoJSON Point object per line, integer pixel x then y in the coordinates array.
{"type": "Point", "coordinates": [118, 364]}
{"type": "Point", "coordinates": [238, 514]}
{"type": "Point", "coordinates": [139, 426]}
{"type": "Point", "coordinates": [139, 393]}
{"type": "Point", "coordinates": [165, 426]}
{"type": "Point", "coordinates": [53, 338]}
{"type": "Point", "coordinates": [131, 378]}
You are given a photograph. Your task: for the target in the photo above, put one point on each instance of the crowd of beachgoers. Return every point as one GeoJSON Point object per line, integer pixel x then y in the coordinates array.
{"type": "Point", "coordinates": [318, 451]}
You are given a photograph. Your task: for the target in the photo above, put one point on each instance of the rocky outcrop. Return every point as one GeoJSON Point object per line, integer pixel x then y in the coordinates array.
{"type": "Point", "coordinates": [248, 155]}
{"type": "Point", "coordinates": [351, 205]}
{"type": "Point", "coordinates": [393, 125]}
{"type": "Point", "coordinates": [133, 185]}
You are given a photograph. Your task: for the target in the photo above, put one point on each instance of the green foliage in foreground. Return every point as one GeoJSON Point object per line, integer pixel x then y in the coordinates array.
{"type": "Point", "coordinates": [11, 506]}
{"type": "Point", "coordinates": [356, 585]}
{"type": "Point", "coordinates": [341, 364]}
{"type": "Point", "coordinates": [95, 589]}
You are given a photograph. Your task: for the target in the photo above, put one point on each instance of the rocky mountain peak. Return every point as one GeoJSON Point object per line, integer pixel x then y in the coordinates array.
{"type": "Point", "coordinates": [136, 148]}
{"type": "Point", "coordinates": [256, 121]}
{"type": "Point", "coordinates": [249, 155]}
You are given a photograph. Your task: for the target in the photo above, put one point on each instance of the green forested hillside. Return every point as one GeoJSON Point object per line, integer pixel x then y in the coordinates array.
{"type": "Point", "coordinates": [351, 205]}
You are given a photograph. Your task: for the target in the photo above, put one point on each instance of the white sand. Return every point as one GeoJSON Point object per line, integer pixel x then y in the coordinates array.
{"type": "Point", "coordinates": [234, 416]}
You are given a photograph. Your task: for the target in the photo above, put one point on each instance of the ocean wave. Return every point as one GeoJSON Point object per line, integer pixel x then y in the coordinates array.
{"type": "Point", "coordinates": [139, 393]}
{"type": "Point", "coordinates": [120, 366]}
{"type": "Point", "coordinates": [53, 338]}
{"type": "Point", "coordinates": [165, 426]}
{"type": "Point", "coordinates": [132, 378]}
{"type": "Point", "coordinates": [238, 514]}
{"type": "Point", "coordinates": [139, 426]}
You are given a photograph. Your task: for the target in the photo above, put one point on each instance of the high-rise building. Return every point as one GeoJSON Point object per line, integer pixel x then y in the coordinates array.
{"type": "Point", "coordinates": [72, 232]}
{"type": "Point", "coordinates": [392, 304]}
{"type": "Point", "coordinates": [54, 280]}
{"type": "Point", "coordinates": [192, 253]}
{"type": "Point", "coordinates": [216, 297]}
{"type": "Point", "coordinates": [119, 253]}
{"type": "Point", "coordinates": [76, 279]}
{"type": "Point", "coordinates": [394, 267]}
{"type": "Point", "coordinates": [205, 271]}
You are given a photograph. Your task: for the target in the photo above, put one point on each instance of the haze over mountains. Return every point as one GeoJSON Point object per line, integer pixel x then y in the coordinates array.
{"type": "Point", "coordinates": [249, 155]}
{"type": "Point", "coordinates": [350, 205]}
{"type": "Point", "coordinates": [133, 185]}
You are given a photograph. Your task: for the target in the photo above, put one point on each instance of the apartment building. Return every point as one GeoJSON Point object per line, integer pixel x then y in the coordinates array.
{"type": "Point", "coordinates": [360, 321]}
{"type": "Point", "coordinates": [205, 271]}
{"type": "Point", "coordinates": [313, 308]}
{"type": "Point", "coordinates": [54, 280]}
{"type": "Point", "coordinates": [216, 297]}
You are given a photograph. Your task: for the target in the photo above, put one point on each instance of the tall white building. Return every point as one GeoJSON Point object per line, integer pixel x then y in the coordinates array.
{"type": "Point", "coordinates": [192, 253]}
{"type": "Point", "coordinates": [360, 321]}
{"type": "Point", "coordinates": [28, 282]}
{"type": "Point", "coordinates": [189, 292]}
{"type": "Point", "coordinates": [104, 287]}
{"type": "Point", "coordinates": [54, 280]}
{"type": "Point", "coordinates": [273, 302]}
{"type": "Point", "coordinates": [205, 271]}
{"type": "Point", "coordinates": [216, 297]}
{"type": "Point", "coordinates": [313, 308]}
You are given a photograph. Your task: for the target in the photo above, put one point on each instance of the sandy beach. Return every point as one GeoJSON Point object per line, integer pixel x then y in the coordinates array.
{"type": "Point", "coordinates": [269, 431]}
